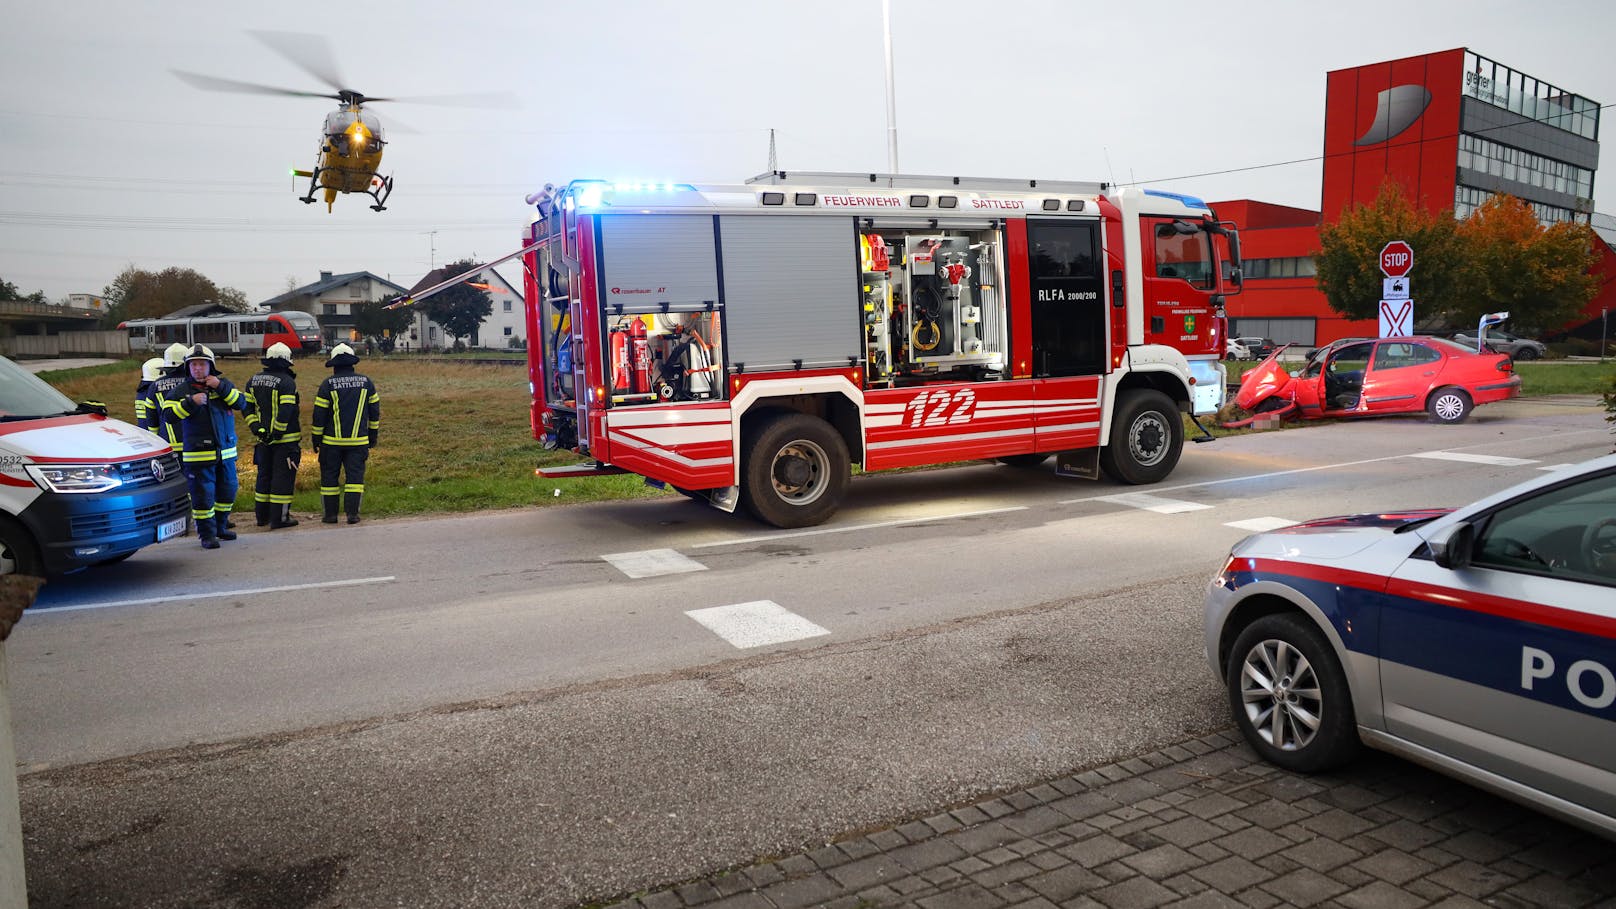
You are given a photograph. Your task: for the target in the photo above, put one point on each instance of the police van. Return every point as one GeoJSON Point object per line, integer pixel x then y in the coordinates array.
{"type": "Point", "coordinates": [76, 487]}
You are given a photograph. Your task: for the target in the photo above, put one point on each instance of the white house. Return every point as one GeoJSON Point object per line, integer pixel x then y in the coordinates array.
{"type": "Point", "coordinates": [504, 327]}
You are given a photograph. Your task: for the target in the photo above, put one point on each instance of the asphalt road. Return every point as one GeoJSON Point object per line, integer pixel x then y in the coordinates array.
{"type": "Point", "coordinates": [484, 710]}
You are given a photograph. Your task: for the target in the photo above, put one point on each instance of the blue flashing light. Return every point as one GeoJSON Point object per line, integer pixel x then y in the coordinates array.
{"type": "Point", "coordinates": [1191, 201]}
{"type": "Point", "coordinates": [590, 196]}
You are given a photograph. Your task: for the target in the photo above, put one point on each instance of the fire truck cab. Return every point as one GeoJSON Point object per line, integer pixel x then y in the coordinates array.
{"type": "Point", "coordinates": [747, 344]}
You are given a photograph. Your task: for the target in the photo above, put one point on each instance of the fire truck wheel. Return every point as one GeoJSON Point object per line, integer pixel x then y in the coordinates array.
{"type": "Point", "coordinates": [796, 470]}
{"type": "Point", "coordinates": [1147, 436]}
{"type": "Point", "coordinates": [18, 555]}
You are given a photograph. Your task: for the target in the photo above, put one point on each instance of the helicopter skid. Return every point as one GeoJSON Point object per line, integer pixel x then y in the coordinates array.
{"type": "Point", "coordinates": [335, 180]}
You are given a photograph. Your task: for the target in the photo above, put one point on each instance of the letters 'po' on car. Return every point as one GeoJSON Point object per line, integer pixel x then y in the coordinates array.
{"type": "Point", "coordinates": [1480, 641]}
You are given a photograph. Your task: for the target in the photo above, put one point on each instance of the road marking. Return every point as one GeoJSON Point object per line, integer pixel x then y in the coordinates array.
{"type": "Point", "coordinates": [653, 563]}
{"type": "Point", "coordinates": [1495, 460]}
{"type": "Point", "coordinates": [1260, 525]}
{"type": "Point", "coordinates": [244, 592]}
{"type": "Point", "coordinates": [1556, 466]}
{"type": "Point", "coordinates": [756, 624]}
{"type": "Point", "coordinates": [1154, 503]}
{"type": "Point", "coordinates": [923, 519]}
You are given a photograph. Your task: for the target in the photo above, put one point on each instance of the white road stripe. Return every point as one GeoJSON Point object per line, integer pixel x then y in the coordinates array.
{"type": "Point", "coordinates": [921, 519]}
{"type": "Point", "coordinates": [1260, 525]}
{"type": "Point", "coordinates": [1556, 466]}
{"type": "Point", "coordinates": [756, 624]}
{"type": "Point", "coordinates": [1154, 503]}
{"type": "Point", "coordinates": [1496, 460]}
{"type": "Point", "coordinates": [244, 592]}
{"type": "Point", "coordinates": [653, 563]}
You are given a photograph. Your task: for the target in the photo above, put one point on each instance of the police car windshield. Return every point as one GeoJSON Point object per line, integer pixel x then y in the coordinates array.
{"type": "Point", "coordinates": [23, 396]}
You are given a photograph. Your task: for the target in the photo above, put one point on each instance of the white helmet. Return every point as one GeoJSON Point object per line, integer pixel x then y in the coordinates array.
{"type": "Point", "coordinates": [175, 354]}
{"type": "Point", "coordinates": [278, 351]}
{"type": "Point", "coordinates": [341, 349]}
{"type": "Point", "coordinates": [199, 352]}
{"type": "Point", "coordinates": [151, 370]}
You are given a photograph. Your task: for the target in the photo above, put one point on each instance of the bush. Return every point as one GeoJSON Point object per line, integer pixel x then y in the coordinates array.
{"type": "Point", "coordinates": [1610, 408]}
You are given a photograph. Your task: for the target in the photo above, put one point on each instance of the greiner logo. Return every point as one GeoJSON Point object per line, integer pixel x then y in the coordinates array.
{"type": "Point", "coordinates": [1396, 109]}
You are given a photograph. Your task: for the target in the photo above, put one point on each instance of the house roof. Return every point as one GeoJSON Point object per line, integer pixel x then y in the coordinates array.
{"type": "Point", "coordinates": [439, 275]}
{"type": "Point", "coordinates": [324, 284]}
{"type": "Point", "coordinates": [199, 309]}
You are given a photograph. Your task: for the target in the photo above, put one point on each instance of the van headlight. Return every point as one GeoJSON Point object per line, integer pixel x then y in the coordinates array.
{"type": "Point", "coordinates": [75, 477]}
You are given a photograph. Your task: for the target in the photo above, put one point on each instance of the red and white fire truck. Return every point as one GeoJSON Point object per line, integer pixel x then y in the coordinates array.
{"type": "Point", "coordinates": [750, 343]}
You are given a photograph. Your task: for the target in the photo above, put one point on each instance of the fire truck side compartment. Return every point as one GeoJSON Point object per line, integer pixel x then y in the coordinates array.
{"type": "Point", "coordinates": [791, 291]}
{"type": "Point", "coordinates": [668, 258]}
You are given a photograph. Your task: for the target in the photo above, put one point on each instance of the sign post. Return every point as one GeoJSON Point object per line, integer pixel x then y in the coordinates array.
{"type": "Point", "coordinates": [1396, 305]}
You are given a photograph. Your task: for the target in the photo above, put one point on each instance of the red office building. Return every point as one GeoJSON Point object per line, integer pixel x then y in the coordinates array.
{"type": "Point", "coordinates": [1453, 128]}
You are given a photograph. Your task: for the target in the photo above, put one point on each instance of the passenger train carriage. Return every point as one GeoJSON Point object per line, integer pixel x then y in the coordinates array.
{"type": "Point", "coordinates": [239, 333]}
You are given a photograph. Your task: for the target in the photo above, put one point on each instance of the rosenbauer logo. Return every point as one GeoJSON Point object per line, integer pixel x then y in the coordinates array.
{"type": "Point", "coordinates": [639, 290]}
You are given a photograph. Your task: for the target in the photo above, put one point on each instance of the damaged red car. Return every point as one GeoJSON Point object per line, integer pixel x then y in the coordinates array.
{"type": "Point", "coordinates": [1378, 376]}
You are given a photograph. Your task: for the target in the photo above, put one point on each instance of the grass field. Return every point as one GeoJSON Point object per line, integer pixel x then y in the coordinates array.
{"type": "Point", "coordinates": [455, 436]}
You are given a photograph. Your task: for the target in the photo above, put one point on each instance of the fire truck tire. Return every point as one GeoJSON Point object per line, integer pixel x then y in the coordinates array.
{"type": "Point", "coordinates": [1147, 436]}
{"type": "Point", "coordinates": [18, 554]}
{"type": "Point", "coordinates": [796, 470]}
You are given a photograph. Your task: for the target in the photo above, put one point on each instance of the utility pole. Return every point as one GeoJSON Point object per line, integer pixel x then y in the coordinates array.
{"type": "Point", "coordinates": [432, 260]}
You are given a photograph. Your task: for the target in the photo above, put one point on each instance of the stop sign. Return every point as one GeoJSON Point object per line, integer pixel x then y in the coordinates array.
{"type": "Point", "coordinates": [1396, 259]}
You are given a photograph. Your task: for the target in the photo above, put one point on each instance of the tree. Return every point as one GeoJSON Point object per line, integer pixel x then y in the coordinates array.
{"type": "Point", "coordinates": [233, 300]}
{"type": "Point", "coordinates": [1543, 276]}
{"type": "Point", "coordinates": [375, 320]}
{"type": "Point", "coordinates": [140, 294]}
{"type": "Point", "coordinates": [460, 309]}
{"type": "Point", "coordinates": [1348, 261]}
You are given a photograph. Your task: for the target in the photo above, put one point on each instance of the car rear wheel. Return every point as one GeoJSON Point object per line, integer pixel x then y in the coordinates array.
{"type": "Point", "coordinates": [1289, 696]}
{"type": "Point", "coordinates": [1526, 353]}
{"type": "Point", "coordinates": [18, 554]}
{"type": "Point", "coordinates": [1449, 405]}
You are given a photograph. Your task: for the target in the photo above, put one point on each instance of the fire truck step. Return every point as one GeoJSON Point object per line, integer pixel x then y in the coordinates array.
{"type": "Point", "coordinates": [577, 470]}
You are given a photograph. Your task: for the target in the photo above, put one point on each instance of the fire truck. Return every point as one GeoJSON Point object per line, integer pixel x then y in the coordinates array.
{"type": "Point", "coordinates": [748, 344]}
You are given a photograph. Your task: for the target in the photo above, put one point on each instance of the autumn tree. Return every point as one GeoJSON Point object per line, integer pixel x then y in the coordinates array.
{"type": "Point", "coordinates": [1348, 261]}
{"type": "Point", "coordinates": [461, 308]}
{"type": "Point", "coordinates": [139, 294]}
{"type": "Point", "coordinates": [9, 291]}
{"type": "Point", "coordinates": [1543, 276]}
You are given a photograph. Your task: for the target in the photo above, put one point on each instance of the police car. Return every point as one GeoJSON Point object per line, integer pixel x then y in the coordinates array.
{"type": "Point", "coordinates": [1479, 641]}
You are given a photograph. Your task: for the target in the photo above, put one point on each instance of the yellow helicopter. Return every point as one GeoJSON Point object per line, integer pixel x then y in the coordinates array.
{"type": "Point", "coordinates": [351, 143]}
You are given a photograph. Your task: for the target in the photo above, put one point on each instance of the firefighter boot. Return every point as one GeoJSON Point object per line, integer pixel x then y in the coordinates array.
{"type": "Point", "coordinates": [351, 503]}
{"type": "Point", "coordinates": [281, 516]}
{"type": "Point", "coordinates": [263, 513]}
{"type": "Point", "coordinates": [221, 527]}
{"type": "Point", "coordinates": [330, 503]}
{"type": "Point", "coordinates": [204, 532]}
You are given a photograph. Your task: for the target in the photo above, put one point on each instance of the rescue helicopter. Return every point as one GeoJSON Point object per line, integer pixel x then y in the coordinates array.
{"type": "Point", "coordinates": [352, 139]}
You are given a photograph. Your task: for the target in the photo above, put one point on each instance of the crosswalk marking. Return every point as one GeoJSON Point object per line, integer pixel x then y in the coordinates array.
{"type": "Point", "coordinates": [1153, 503]}
{"type": "Point", "coordinates": [1260, 525]}
{"type": "Point", "coordinates": [756, 624]}
{"type": "Point", "coordinates": [652, 563]}
{"type": "Point", "coordinates": [1556, 466]}
{"type": "Point", "coordinates": [1496, 460]}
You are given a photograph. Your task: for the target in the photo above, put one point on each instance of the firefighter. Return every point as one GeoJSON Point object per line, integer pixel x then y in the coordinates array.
{"type": "Point", "coordinates": [207, 431]}
{"type": "Point", "coordinates": [274, 420]}
{"type": "Point", "coordinates": [147, 414]}
{"type": "Point", "coordinates": [347, 420]}
{"type": "Point", "coordinates": [165, 390]}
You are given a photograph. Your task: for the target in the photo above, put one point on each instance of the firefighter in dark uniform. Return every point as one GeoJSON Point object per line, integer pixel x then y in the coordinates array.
{"type": "Point", "coordinates": [207, 431]}
{"type": "Point", "coordinates": [148, 415]}
{"type": "Point", "coordinates": [166, 390]}
{"type": "Point", "coordinates": [347, 419]}
{"type": "Point", "coordinates": [280, 437]}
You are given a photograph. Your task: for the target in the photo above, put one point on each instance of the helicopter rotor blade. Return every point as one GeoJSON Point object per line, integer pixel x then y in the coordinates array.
{"type": "Point", "coordinates": [310, 53]}
{"type": "Point", "coordinates": [491, 100]}
{"type": "Point", "coordinates": [216, 84]}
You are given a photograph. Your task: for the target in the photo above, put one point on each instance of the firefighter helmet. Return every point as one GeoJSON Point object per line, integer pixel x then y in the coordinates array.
{"type": "Point", "coordinates": [151, 370]}
{"type": "Point", "coordinates": [175, 354]}
{"type": "Point", "coordinates": [199, 352]}
{"type": "Point", "coordinates": [341, 349]}
{"type": "Point", "coordinates": [278, 351]}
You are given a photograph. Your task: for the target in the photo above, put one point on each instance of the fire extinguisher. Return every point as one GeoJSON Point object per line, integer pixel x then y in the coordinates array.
{"type": "Point", "coordinates": [640, 352]}
{"type": "Point", "coordinates": [620, 364]}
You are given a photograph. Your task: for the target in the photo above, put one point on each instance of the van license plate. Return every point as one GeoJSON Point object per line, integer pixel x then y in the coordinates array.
{"type": "Point", "coordinates": [172, 529]}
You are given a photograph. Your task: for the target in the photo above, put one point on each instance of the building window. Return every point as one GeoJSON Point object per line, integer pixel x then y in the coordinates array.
{"type": "Point", "coordinates": [432, 333]}
{"type": "Point", "coordinates": [328, 309]}
{"type": "Point", "coordinates": [507, 331]}
{"type": "Point", "coordinates": [507, 305]}
{"type": "Point", "coordinates": [1519, 93]}
{"type": "Point", "coordinates": [355, 291]}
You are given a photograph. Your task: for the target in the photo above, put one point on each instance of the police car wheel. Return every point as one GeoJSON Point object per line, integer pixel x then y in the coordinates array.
{"type": "Point", "coordinates": [18, 554]}
{"type": "Point", "coordinates": [1289, 696]}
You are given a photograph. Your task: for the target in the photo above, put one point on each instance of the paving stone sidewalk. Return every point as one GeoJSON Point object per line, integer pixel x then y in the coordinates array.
{"type": "Point", "coordinates": [1203, 823]}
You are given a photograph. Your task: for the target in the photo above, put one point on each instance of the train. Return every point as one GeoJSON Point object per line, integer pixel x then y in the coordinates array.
{"type": "Point", "coordinates": [236, 333]}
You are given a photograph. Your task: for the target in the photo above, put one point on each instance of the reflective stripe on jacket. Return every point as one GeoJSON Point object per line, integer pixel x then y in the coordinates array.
{"type": "Point", "coordinates": [208, 432]}
{"type": "Point", "coordinates": [275, 417]}
{"type": "Point", "coordinates": [347, 410]}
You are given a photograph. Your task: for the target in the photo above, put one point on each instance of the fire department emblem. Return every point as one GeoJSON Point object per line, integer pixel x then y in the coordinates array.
{"type": "Point", "coordinates": [1189, 325]}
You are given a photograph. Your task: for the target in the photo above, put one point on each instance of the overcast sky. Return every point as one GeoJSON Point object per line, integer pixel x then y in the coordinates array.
{"type": "Point", "coordinates": [107, 159]}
